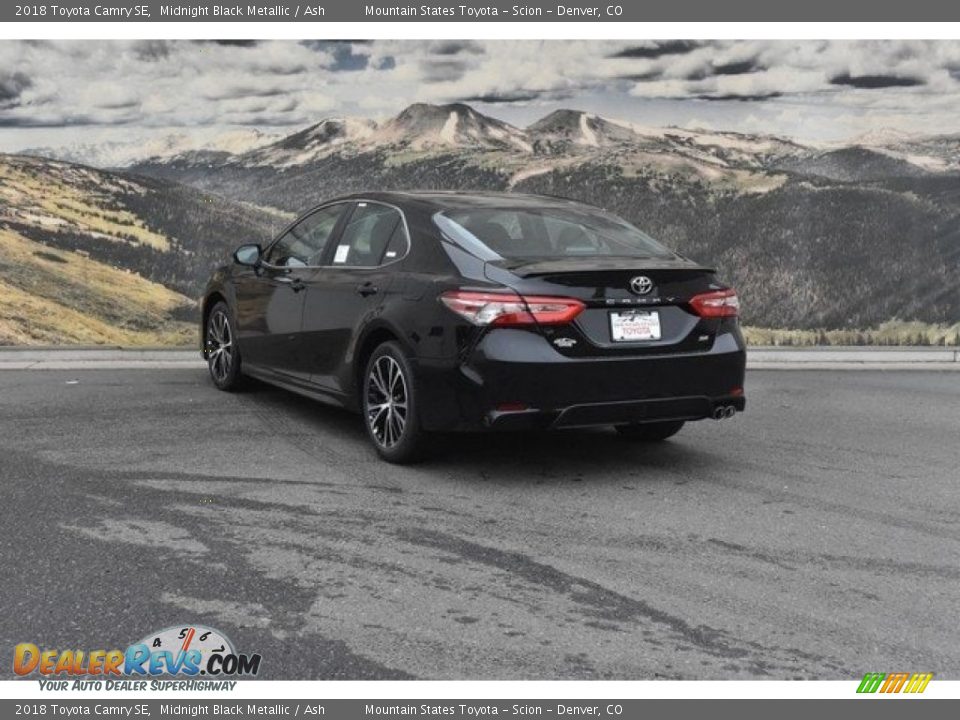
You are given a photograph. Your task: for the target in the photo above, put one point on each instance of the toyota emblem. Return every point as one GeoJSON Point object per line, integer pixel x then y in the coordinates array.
{"type": "Point", "coordinates": [641, 284]}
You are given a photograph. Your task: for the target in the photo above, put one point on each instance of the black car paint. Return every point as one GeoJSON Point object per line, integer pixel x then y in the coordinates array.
{"type": "Point", "coordinates": [310, 330]}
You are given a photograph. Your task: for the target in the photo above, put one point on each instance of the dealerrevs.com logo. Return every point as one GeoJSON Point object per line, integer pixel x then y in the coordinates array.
{"type": "Point", "coordinates": [890, 683]}
{"type": "Point", "coordinates": [181, 651]}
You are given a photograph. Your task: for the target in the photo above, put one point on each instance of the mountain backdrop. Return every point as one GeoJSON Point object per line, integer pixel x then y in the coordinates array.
{"type": "Point", "coordinates": [829, 236]}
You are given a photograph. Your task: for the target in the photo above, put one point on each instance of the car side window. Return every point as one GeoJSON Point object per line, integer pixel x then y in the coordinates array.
{"type": "Point", "coordinates": [396, 246]}
{"type": "Point", "coordinates": [374, 235]}
{"type": "Point", "coordinates": [304, 243]}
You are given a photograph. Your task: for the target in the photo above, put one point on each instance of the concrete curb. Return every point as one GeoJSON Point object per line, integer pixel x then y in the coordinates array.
{"type": "Point", "coordinates": [97, 359]}
{"type": "Point", "coordinates": [853, 358]}
{"type": "Point", "coordinates": [22, 358]}
{"type": "Point", "coordinates": [854, 366]}
{"type": "Point", "coordinates": [758, 358]}
{"type": "Point", "coordinates": [854, 355]}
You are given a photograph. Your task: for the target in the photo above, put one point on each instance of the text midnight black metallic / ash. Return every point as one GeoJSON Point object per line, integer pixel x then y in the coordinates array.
{"type": "Point", "coordinates": [433, 312]}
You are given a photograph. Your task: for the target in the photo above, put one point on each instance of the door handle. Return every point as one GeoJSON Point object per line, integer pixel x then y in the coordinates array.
{"type": "Point", "coordinates": [296, 284]}
{"type": "Point", "coordinates": [367, 288]}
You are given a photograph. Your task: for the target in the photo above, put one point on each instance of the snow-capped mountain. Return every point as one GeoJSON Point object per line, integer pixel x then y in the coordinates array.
{"type": "Point", "coordinates": [579, 128]}
{"type": "Point", "coordinates": [884, 137]}
{"type": "Point", "coordinates": [928, 153]}
{"type": "Point", "coordinates": [310, 144]}
{"type": "Point", "coordinates": [573, 131]}
{"type": "Point", "coordinates": [563, 133]}
{"type": "Point", "coordinates": [554, 139]}
{"type": "Point", "coordinates": [165, 147]}
{"type": "Point", "coordinates": [422, 126]}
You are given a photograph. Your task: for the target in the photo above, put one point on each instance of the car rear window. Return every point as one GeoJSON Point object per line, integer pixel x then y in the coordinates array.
{"type": "Point", "coordinates": [548, 233]}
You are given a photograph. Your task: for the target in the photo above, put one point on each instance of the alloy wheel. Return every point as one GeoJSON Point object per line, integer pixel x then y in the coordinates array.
{"type": "Point", "coordinates": [386, 401]}
{"type": "Point", "coordinates": [219, 346]}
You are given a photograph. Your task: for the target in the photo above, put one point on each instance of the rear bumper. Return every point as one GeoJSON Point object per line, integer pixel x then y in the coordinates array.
{"type": "Point", "coordinates": [518, 380]}
{"type": "Point", "coordinates": [613, 413]}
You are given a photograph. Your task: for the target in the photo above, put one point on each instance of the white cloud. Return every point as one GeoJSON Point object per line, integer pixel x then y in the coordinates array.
{"type": "Point", "coordinates": [154, 84]}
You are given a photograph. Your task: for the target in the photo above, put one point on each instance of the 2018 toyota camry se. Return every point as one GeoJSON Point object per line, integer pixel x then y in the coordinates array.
{"type": "Point", "coordinates": [430, 311]}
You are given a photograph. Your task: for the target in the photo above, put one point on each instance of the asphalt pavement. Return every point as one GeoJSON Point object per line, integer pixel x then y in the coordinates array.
{"type": "Point", "coordinates": [815, 536]}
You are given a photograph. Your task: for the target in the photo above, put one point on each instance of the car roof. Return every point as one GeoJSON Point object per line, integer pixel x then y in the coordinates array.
{"type": "Point", "coordinates": [438, 200]}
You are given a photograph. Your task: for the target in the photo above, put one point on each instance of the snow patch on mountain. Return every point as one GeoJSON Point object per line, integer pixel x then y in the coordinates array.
{"type": "Point", "coordinates": [589, 137]}
{"type": "Point", "coordinates": [448, 133]}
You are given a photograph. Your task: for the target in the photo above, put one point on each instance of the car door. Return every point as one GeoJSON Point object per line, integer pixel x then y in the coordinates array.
{"type": "Point", "coordinates": [343, 295]}
{"type": "Point", "coordinates": [270, 297]}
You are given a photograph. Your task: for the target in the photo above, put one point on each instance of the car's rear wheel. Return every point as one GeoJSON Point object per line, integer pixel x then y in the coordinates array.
{"type": "Point", "coordinates": [390, 410]}
{"type": "Point", "coordinates": [220, 348]}
{"type": "Point", "coordinates": [650, 432]}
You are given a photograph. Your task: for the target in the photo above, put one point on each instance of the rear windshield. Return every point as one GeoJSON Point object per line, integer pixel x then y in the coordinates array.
{"type": "Point", "coordinates": [546, 233]}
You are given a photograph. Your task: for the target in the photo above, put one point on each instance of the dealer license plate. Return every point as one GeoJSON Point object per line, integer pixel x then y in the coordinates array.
{"type": "Point", "coordinates": [635, 325]}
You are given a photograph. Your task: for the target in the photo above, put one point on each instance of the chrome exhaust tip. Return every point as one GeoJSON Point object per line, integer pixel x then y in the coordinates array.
{"type": "Point", "coordinates": [729, 411]}
{"type": "Point", "coordinates": [719, 413]}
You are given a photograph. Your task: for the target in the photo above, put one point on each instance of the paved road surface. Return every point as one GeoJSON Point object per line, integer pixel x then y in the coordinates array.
{"type": "Point", "coordinates": [817, 536]}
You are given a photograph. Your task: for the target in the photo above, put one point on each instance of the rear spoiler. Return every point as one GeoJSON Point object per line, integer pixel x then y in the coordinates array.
{"type": "Point", "coordinates": [531, 268]}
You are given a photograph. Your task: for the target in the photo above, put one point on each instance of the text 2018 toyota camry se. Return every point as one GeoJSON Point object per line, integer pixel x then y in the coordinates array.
{"type": "Point", "coordinates": [430, 311]}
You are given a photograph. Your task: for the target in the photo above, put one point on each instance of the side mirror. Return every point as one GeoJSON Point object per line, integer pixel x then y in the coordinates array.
{"type": "Point", "coordinates": [248, 255]}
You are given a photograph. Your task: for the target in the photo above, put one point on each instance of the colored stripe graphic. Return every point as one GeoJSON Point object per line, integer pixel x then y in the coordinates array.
{"type": "Point", "coordinates": [895, 682]}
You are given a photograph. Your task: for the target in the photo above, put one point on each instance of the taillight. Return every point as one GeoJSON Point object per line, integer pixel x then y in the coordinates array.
{"type": "Point", "coordinates": [504, 309]}
{"type": "Point", "coordinates": [718, 304]}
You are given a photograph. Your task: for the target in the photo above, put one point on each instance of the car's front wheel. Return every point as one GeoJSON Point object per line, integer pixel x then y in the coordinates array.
{"type": "Point", "coordinates": [390, 409]}
{"type": "Point", "coordinates": [220, 349]}
{"type": "Point", "coordinates": [650, 432]}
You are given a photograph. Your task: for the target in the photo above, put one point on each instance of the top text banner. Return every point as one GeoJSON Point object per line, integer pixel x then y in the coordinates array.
{"type": "Point", "coordinates": [537, 11]}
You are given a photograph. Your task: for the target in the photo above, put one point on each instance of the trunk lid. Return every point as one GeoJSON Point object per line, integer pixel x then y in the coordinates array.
{"type": "Point", "coordinates": [612, 305]}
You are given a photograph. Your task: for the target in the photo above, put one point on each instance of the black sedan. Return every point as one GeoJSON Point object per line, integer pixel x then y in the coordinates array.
{"type": "Point", "coordinates": [430, 312]}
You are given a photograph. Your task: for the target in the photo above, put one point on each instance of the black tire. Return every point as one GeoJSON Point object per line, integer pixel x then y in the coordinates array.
{"type": "Point", "coordinates": [650, 432]}
{"type": "Point", "coordinates": [221, 350]}
{"type": "Point", "coordinates": [389, 400]}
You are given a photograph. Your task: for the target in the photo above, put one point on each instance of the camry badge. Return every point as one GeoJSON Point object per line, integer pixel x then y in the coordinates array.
{"type": "Point", "coordinates": [641, 284]}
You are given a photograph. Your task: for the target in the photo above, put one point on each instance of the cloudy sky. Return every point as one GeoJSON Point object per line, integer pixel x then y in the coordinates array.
{"type": "Point", "coordinates": [54, 93]}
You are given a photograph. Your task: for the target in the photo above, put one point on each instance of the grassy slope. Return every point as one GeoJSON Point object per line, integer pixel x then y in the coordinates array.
{"type": "Point", "coordinates": [64, 199]}
{"type": "Point", "coordinates": [52, 295]}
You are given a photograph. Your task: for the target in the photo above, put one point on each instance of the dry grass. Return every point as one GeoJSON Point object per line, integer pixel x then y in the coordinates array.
{"type": "Point", "coordinates": [59, 199]}
{"type": "Point", "coordinates": [31, 320]}
{"type": "Point", "coordinates": [50, 296]}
